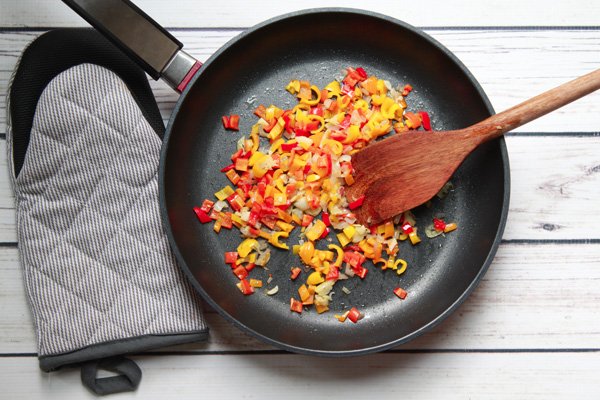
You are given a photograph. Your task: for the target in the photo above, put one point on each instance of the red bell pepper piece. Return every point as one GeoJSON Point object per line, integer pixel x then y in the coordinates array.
{"type": "Point", "coordinates": [237, 154]}
{"type": "Point", "coordinates": [326, 220]}
{"type": "Point", "coordinates": [234, 122]}
{"type": "Point", "coordinates": [401, 293]}
{"type": "Point", "coordinates": [202, 215]}
{"type": "Point", "coordinates": [354, 315]}
{"type": "Point", "coordinates": [302, 132]}
{"type": "Point", "coordinates": [296, 305]}
{"type": "Point", "coordinates": [362, 73]}
{"type": "Point", "coordinates": [207, 205]}
{"type": "Point", "coordinates": [306, 220]}
{"type": "Point", "coordinates": [333, 274]}
{"type": "Point", "coordinates": [357, 203]}
{"type": "Point", "coordinates": [225, 121]}
{"type": "Point", "coordinates": [295, 272]}
{"type": "Point", "coordinates": [288, 146]}
{"type": "Point", "coordinates": [425, 120]}
{"type": "Point", "coordinates": [240, 272]}
{"type": "Point", "coordinates": [360, 271]}
{"type": "Point", "coordinates": [260, 111]}
{"type": "Point", "coordinates": [231, 122]}
{"type": "Point", "coordinates": [316, 110]}
{"type": "Point", "coordinates": [439, 224]}
{"type": "Point", "coordinates": [227, 168]}
{"type": "Point", "coordinates": [231, 257]}
{"type": "Point", "coordinates": [245, 287]}
{"type": "Point", "coordinates": [407, 228]}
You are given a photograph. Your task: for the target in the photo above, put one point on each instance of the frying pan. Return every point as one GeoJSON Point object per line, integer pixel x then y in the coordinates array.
{"type": "Point", "coordinates": [253, 69]}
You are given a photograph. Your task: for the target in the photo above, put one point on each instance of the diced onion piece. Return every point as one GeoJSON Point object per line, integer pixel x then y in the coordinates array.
{"type": "Point", "coordinates": [273, 291]}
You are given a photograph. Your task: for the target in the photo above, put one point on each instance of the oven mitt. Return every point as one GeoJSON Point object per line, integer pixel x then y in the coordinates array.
{"type": "Point", "coordinates": [83, 141]}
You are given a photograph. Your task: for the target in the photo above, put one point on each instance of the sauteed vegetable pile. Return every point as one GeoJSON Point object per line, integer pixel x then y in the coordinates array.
{"type": "Point", "coordinates": [297, 183]}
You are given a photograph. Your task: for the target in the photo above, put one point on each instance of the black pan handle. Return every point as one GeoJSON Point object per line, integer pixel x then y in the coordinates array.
{"type": "Point", "coordinates": [141, 38]}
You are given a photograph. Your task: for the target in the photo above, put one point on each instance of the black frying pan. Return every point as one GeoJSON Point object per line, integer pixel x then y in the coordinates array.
{"type": "Point", "coordinates": [316, 45]}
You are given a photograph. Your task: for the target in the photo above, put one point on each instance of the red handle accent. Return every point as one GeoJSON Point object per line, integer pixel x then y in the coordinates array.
{"type": "Point", "coordinates": [188, 77]}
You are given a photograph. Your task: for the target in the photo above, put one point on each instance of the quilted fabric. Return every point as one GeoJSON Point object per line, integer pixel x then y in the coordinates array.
{"type": "Point", "coordinates": [97, 264]}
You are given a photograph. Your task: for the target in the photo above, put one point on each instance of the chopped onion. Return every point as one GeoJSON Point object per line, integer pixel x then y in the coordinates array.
{"type": "Point", "coordinates": [448, 186]}
{"type": "Point", "coordinates": [301, 204]}
{"type": "Point", "coordinates": [431, 232]}
{"type": "Point", "coordinates": [263, 258]}
{"type": "Point", "coordinates": [273, 291]}
{"type": "Point", "coordinates": [240, 143]}
{"type": "Point", "coordinates": [345, 290]}
{"type": "Point", "coordinates": [220, 205]}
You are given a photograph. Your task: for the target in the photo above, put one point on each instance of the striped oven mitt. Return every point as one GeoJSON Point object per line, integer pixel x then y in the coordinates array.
{"type": "Point", "coordinates": [83, 141]}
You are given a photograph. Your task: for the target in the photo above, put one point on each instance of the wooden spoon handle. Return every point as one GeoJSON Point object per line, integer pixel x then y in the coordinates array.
{"type": "Point", "coordinates": [522, 113]}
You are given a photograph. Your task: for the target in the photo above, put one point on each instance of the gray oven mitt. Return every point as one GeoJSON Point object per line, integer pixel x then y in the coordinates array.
{"type": "Point", "coordinates": [97, 266]}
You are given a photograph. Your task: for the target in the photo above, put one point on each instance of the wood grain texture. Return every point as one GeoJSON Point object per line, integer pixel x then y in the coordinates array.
{"type": "Point", "coordinates": [510, 65]}
{"type": "Point", "coordinates": [529, 331]}
{"type": "Point", "coordinates": [240, 13]}
{"type": "Point", "coordinates": [554, 189]}
{"type": "Point", "coordinates": [527, 300]}
{"type": "Point", "coordinates": [527, 376]}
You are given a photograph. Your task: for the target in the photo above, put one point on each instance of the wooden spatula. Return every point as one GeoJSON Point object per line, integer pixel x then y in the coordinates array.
{"type": "Point", "coordinates": [407, 169]}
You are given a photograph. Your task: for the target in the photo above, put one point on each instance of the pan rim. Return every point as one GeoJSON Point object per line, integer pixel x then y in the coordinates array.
{"type": "Point", "coordinates": [352, 352]}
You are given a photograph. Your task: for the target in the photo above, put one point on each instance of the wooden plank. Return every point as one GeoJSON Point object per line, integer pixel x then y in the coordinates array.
{"type": "Point", "coordinates": [555, 188]}
{"type": "Point", "coordinates": [527, 300]}
{"type": "Point", "coordinates": [555, 183]}
{"type": "Point", "coordinates": [510, 66]}
{"type": "Point", "coordinates": [240, 13]}
{"type": "Point", "coordinates": [284, 376]}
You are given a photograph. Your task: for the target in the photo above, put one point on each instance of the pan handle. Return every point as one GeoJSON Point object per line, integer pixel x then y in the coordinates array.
{"type": "Point", "coordinates": [141, 38]}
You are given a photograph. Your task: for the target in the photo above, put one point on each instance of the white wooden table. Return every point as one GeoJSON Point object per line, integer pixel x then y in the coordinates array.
{"type": "Point", "coordinates": [530, 330]}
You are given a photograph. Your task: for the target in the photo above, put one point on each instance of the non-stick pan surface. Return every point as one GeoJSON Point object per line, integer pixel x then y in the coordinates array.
{"type": "Point", "coordinates": [317, 45]}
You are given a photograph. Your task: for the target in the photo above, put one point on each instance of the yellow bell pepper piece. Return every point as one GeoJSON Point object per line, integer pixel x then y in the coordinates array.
{"type": "Point", "coordinates": [293, 87]}
{"type": "Point", "coordinates": [255, 157]}
{"type": "Point", "coordinates": [315, 278]}
{"type": "Point", "coordinates": [224, 193]}
{"type": "Point", "coordinates": [261, 165]}
{"type": "Point", "coordinates": [321, 120]}
{"type": "Point", "coordinates": [276, 145]}
{"type": "Point", "coordinates": [315, 231]}
{"type": "Point", "coordinates": [306, 252]}
{"type": "Point", "coordinates": [277, 130]}
{"type": "Point", "coordinates": [349, 231]}
{"type": "Point", "coordinates": [450, 227]}
{"type": "Point", "coordinates": [255, 283]}
{"type": "Point", "coordinates": [403, 268]}
{"type": "Point", "coordinates": [353, 134]}
{"type": "Point", "coordinates": [388, 230]}
{"type": "Point", "coordinates": [304, 293]}
{"type": "Point", "coordinates": [378, 99]}
{"type": "Point", "coordinates": [274, 240]}
{"type": "Point", "coordinates": [247, 246]}
{"type": "Point", "coordinates": [336, 147]}
{"type": "Point", "coordinates": [343, 239]}
{"type": "Point", "coordinates": [340, 254]}
{"type": "Point", "coordinates": [279, 199]}
{"type": "Point", "coordinates": [333, 88]}
{"type": "Point", "coordinates": [312, 178]}
{"type": "Point", "coordinates": [389, 108]}
{"type": "Point", "coordinates": [284, 226]}
{"type": "Point", "coordinates": [321, 308]}
{"type": "Point", "coordinates": [414, 238]}
{"type": "Point", "coordinates": [315, 100]}
{"type": "Point", "coordinates": [381, 88]}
